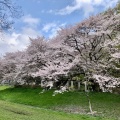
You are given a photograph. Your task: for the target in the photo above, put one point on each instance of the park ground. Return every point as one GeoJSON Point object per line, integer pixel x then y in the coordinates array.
{"type": "Point", "coordinates": [30, 104]}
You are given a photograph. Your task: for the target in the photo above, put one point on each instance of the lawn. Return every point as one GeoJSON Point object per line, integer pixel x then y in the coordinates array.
{"type": "Point", "coordinates": [59, 107]}
{"type": "Point", "coordinates": [13, 111]}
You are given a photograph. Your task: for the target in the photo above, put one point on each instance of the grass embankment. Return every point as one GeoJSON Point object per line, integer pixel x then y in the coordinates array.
{"type": "Point", "coordinates": [106, 104]}
{"type": "Point", "coordinates": [13, 111]}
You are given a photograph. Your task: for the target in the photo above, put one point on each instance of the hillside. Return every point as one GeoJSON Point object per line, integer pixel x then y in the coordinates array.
{"type": "Point", "coordinates": [28, 103]}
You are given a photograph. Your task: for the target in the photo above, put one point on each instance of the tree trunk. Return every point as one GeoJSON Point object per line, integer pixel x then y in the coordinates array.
{"type": "Point", "coordinates": [78, 85]}
{"type": "Point", "coordinates": [72, 84]}
{"type": "Point", "coordinates": [67, 84]}
{"type": "Point", "coordinates": [85, 86]}
{"type": "Point", "coordinates": [90, 106]}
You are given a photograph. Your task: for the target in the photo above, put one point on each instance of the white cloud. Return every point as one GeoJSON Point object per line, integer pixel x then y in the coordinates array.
{"type": "Point", "coordinates": [97, 2]}
{"type": "Point", "coordinates": [31, 21]}
{"type": "Point", "coordinates": [53, 32]}
{"type": "Point", "coordinates": [110, 3]}
{"type": "Point", "coordinates": [47, 27]}
{"type": "Point", "coordinates": [50, 11]}
{"type": "Point", "coordinates": [14, 41]}
{"type": "Point", "coordinates": [88, 6]}
{"type": "Point", "coordinates": [30, 31]}
{"type": "Point", "coordinates": [69, 9]}
{"type": "Point", "coordinates": [52, 28]}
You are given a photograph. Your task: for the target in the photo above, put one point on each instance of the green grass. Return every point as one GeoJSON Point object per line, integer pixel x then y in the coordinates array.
{"type": "Point", "coordinates": [13, 111]}
{"type": "Point", "coordinates": [107, 105]}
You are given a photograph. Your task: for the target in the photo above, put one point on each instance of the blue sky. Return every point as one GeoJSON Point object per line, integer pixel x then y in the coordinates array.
{"type": "Point", "coordinates": [45, 17]}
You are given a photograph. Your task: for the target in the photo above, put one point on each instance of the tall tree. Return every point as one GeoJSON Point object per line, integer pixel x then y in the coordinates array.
{"type": "Point", "coordinates": [94, 40]}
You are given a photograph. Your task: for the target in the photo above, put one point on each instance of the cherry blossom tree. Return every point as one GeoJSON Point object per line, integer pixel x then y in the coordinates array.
{"type": "Point", "coordinates": [94, 40]}
{"type": "Point", "coordinates": [92, 44]}
{"type": "Point", "coordinates": [11, 65]}
{"type": "Point", "coordinates": [57, 62]}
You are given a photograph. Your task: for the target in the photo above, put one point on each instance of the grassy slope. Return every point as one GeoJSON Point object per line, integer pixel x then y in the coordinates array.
{"type": "Point", "coordinates": [104, 103]}
{"type": "Point", "coordinates": [22, 112]}
{"type": "Point", "coordinates": [13, 111]}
